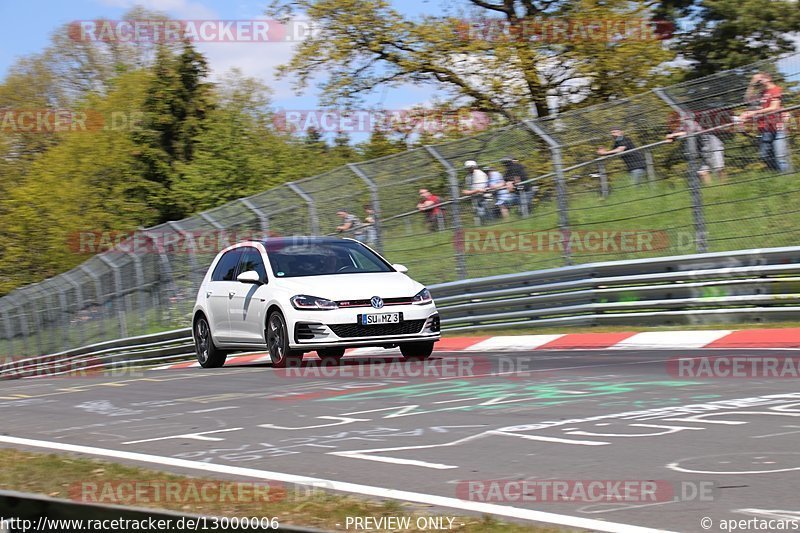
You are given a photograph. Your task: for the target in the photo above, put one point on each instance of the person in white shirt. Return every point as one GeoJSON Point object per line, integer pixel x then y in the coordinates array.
{"type": "Point", "coordinates": [477, 184]}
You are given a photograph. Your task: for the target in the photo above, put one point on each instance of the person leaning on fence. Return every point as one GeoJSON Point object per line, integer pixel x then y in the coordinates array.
{"type": "Point", "coordinates": [712, 149]}
{"type": "Point", "coordinates": [350, 225]}
{"type": "Point", "coordinates": [634, 161]}
{"type": "Point", "coordinates": [773, 147]}
{"type": "Point", "coordinates": [429, 205]}
{"type": "Point", "coordinates": [504, 195]}
{"type": "Point", "coordinates": [477, 183]}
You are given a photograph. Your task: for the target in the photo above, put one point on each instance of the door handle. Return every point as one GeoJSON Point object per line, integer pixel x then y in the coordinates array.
{"type": "Point", "coordinates": [231, 294]}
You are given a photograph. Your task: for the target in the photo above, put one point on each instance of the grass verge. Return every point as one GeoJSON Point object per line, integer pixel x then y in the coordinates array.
{"type": "Point", "coordinates": [65, 476]}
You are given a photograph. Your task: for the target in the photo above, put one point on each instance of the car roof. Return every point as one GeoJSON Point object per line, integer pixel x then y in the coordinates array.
{"type": "Point", "coordinates": [300, 239]}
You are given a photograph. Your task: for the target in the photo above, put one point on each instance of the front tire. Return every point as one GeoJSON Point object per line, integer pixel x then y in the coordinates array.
{"type": "Point", "coordinates": [277, 336]}
{"type": "Point", "coordinates": [416, 351]}
{"type": "Point", "coordinates": [208, 355]}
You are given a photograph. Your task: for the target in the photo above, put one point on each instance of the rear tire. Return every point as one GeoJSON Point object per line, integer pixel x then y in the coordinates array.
{"type": "Point", "coordinates": [208, 355]}
{"type": "Point", "coordinates": [416, 351]}
{"type": "Point", "coordinates": [331, 355]}
{"type": "Point", "coordinates": [277, 337]}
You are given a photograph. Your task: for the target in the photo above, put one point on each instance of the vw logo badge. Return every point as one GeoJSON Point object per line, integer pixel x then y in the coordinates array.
{"type": "Point", "coordinates": [377, 302]}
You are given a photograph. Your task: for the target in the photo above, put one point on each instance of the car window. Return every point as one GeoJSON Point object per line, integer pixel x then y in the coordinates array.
{"type": "Point", "coordinates": [251, 260]}
{"type": "Point", "coordinates": [226, 268]}
{"type": "Point", "coordinates": [326, 258]}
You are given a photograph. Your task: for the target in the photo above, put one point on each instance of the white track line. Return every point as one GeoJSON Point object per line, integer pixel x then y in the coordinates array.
{"type": "Point", "coordinates": [671, 339]}
{"type": "Point", "coordinates": [380, 492]}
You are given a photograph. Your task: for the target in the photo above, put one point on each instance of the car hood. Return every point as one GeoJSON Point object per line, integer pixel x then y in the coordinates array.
{"type": "Point", "coordinates": [353, 286]}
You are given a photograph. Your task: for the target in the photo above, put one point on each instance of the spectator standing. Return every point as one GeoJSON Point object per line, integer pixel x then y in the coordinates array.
{"type": "Point", "coordinates": [350, 224]}
{"type": "Point", "coordinates": [634, 161]}
{"type": "Point", "coordinates": [477, 183]}
{"type": "Point", "coordinates": [370, 233]}
{"type": "Point", "coordinates": [712, 149]}
{"type": "Point", "coordinates": [503, 197]}
{"type": "Point", "coordinates": [773, 147]}
{"type": "Point", "coordinates": [429, 205]}
{"type": "Point", "coordinates": [518, 177]}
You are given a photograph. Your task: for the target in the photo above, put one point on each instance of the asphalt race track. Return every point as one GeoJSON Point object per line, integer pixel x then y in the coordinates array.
{"type": "Point", "coordinates": [573, 416]}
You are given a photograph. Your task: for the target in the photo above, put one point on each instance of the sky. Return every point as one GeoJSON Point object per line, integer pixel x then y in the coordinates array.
{"type": "Point", "coordinates": [30, 23]}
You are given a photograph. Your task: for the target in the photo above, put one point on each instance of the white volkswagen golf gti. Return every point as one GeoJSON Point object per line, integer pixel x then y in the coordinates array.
{"type": "Point", "coordinates": [293, 295]}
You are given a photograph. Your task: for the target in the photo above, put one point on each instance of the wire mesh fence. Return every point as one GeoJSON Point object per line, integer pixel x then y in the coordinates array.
{"type": "Point", "coordinates": [554, 193]}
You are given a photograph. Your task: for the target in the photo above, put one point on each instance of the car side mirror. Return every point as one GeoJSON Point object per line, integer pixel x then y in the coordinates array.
{"type": "Point", "coordinates": [400, 268]}
{"type": "Point", "coordinates": [251, 276]}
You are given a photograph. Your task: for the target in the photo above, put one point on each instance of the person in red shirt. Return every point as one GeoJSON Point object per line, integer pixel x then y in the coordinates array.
{"type": "Point", "coordinates": [429, 204]}
{"type": "Point", "coordinates": [769, 118]}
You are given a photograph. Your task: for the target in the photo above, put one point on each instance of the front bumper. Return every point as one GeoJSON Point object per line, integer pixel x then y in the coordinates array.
{"type": "Point", "coordinates": [340, 327]}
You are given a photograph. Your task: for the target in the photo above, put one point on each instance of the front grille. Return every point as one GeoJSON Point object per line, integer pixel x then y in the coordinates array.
{"type": "Point", "coordinates": [368, 303]}
{"type": "Point", "coordinates": [377, 330]}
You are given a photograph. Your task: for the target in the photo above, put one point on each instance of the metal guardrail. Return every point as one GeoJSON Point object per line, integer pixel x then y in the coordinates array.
{"type": "Point", "coordinates": [743, 286]}
{"type": "Point", "coordinates": [34, 512]}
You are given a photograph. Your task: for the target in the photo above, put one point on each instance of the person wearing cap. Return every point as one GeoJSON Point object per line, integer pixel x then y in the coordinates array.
{"type": "Point", "coordinates": [634, 161]}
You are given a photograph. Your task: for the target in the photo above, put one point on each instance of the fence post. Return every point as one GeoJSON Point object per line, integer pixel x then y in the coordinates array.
{"type": "Point", "coordinates": [139, 273]}
{"type": "Point", "coordinates": [263, 220]}
{"type": "Point", "coordinates": [601, 170]}
{"type": "Point", "coordinates": [458, 231]}
{"type": "Point", "coordinates": [9, 332]}
{"type": "Point", "coordinates": [118, 290]}
{"type": "Point", "coordinates": [312, 206]}
{"type": "Point", "coordinates": [195, 269]}
{"type": "Point", "coordinates": [376, 202]}
{"type": "Point", "coordinates": [561, 187]}
{"type": "Point", "coordinates": [698, 214]}
{"type": "Point", "coordinates": [651, 167]}
{"type": "Point", "coordinates": [165, 272]}
{"type": "Point", "coordinates": [98, 290]}
{"type": "Point", "coordinates": [78, 305]}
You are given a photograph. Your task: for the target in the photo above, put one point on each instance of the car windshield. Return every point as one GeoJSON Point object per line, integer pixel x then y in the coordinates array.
{"type": "Point", "coordinates": [322, 259]}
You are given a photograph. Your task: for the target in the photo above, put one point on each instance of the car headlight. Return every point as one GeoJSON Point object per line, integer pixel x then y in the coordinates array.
{"type": "Point", "coordinates": [422, 297]}
{"type": "Point", "coordinates": [304, 302]}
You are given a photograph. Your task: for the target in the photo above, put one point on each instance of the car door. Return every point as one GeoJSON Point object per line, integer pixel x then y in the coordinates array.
{"type": "Point", "coordinates": [247, 305]}
{"type": "Point", "coordinates": [218, 294]}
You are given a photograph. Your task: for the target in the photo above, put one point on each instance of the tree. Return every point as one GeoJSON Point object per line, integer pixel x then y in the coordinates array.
{"type": "Point", "coordinates": [175, 109]}
{"type": "Point", "coordinates": [492, 64]}
{"type": "Point", "coordinates": [725, 34]}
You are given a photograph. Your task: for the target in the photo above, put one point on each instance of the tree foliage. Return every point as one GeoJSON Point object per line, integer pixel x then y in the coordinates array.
{"type": "Point", "coordinates": [499, 56]}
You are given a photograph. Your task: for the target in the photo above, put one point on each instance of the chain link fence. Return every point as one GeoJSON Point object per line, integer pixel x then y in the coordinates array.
{"type": "Point", "coordinates": [659, 197]}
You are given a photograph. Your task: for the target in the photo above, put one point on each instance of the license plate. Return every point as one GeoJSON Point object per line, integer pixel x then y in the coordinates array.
{"type": "Point", "coordinates": [380, 318]}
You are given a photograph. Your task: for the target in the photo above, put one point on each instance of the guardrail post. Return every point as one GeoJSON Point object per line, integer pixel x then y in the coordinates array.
{"type": "Point", "coordinates": [263, 220]}
{"type": "Point", "coordinates": [455, 193]}
{"type": "Point", "coordinates": [701, 234]}
{"type": "Point", "coordinates": [312, 206]}
{"type": "Point", "coordinates": [375, 200]}
{"type": "Point", "coordinates": [118, 290]}
{"type": "Point", "coordinates": [78, 303]}
{"type": "Point", "coordinates": [561, 187]}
